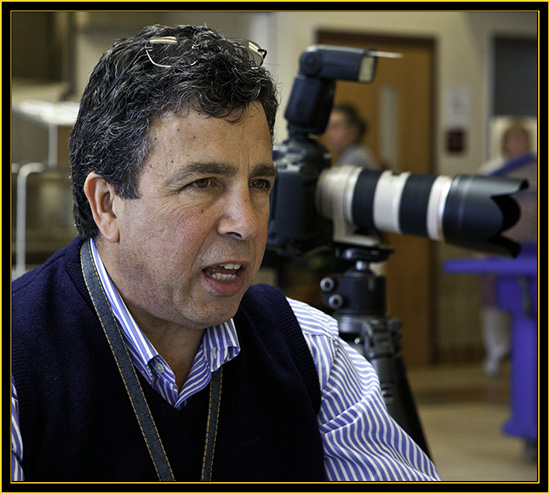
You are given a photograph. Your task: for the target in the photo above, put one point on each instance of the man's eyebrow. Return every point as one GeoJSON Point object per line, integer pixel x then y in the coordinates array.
{"type": "Point", "coordinates": [264, 171]}
{"type": "Point", "coordinates": [218, 168]}
{"type": "Point", "coordinates": [199, 168]}
{"type": "Point", "coordinates": [209, 168]}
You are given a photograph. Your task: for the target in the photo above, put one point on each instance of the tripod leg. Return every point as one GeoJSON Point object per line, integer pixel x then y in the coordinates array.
{"type": "Point", "coordinates": [398, 396]}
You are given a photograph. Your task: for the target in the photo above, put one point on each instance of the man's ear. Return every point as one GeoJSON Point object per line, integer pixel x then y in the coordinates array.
{"type": "Point", "coordinates": [101, 196]}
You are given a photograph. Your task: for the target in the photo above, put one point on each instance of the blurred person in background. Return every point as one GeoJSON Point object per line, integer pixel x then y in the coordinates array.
{"type": "Point", "coordinates": [344, 135]}
{"type": "Point", "coordinates": [517, 161]}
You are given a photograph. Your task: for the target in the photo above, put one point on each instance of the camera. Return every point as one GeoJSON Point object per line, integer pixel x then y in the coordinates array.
{"type": "Point", "coordinates": [313, 204]}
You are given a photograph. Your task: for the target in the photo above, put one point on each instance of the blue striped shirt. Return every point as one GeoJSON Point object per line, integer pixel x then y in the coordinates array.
{"type": "Point", "coordinates": [361, 441]}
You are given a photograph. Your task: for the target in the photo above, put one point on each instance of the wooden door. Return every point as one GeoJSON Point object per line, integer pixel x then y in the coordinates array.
{"type": "Point", "coordinates": [398, 106]}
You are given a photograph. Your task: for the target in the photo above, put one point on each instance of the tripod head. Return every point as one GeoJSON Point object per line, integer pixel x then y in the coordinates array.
{"type": "Point", "coordinates": [358, 296]}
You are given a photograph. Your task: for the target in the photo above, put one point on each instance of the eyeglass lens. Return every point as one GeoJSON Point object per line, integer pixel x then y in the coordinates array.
{"type": "Point", "coordinates": [161, 51]}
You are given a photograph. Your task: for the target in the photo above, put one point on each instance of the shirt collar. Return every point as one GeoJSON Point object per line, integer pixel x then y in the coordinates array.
{"type": "Point", "coordinates": [220, 343]}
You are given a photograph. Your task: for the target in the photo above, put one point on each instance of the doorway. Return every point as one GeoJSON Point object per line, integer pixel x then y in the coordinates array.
{"type": "Point", "coordinates": [399, 108]}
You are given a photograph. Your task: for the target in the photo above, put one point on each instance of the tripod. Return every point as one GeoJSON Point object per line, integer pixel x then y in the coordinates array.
{"type": "Point", "coordinates": [358, 298]}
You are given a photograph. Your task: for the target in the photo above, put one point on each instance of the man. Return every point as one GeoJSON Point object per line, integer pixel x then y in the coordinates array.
{"type": "Point", "coordinates": [171, 168]}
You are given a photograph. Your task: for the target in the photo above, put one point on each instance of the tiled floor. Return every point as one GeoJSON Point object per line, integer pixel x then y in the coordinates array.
{"type": "Point", "coordinates": [462, 413]}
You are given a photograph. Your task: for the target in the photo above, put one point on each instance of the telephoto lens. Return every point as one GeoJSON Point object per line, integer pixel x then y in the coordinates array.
{"type": "Point", "coordinates": [469, 211]}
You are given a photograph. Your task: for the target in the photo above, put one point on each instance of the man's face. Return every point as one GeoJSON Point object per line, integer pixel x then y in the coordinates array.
{"type": "Point", "coordinates": [192, 243]}
{"type": "Point", "coordinates": [517, 144]}
{"type": "Point", "coordinates": [339, 134]}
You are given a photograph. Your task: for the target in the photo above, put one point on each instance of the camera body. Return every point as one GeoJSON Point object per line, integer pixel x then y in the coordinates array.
{"type": "Point", "coordinates": [295, 227]}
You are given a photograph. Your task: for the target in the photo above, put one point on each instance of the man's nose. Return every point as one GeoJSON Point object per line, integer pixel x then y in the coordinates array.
{"type": "Point", "coordinates": [241, 216]}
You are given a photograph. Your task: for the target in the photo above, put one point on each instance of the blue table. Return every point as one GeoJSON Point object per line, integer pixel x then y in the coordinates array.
{"type": "Point", "coordinates": [517, 293]}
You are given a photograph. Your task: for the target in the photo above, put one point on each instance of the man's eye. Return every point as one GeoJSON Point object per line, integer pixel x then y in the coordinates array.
{"type": "Point", "coordinates": [261, 184]}
{"type": "Point", "coordinates": [202, 183]}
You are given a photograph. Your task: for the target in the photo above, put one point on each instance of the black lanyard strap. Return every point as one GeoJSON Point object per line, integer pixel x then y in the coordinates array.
{"type": "Point", "coordinates": [212, 425]}
{"type": "Point", "coordinates": [133, 386]}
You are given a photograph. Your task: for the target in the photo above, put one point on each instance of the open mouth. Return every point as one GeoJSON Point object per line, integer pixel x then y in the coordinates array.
{"type": "Point", "coordinates": [223, 272]}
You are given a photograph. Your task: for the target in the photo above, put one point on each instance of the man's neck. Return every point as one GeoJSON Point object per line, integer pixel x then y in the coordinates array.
{"type": "Point", "coordinates": [177, 345]}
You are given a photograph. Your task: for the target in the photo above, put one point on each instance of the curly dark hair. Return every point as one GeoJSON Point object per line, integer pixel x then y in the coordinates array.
{"type": "Point", "coordinates": [127, 94]}
{"type": "Point", "coordinates": [354, 119]}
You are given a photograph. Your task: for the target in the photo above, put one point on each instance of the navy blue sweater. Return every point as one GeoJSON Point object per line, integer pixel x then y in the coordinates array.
{"type": "Point", "coordinates": [76, 419]}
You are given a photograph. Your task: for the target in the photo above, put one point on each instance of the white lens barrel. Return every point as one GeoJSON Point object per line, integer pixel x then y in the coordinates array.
{"type": "Point", "coordinates": [436, 207]}
{"type": "Point", "coordinates": [387, 200]}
